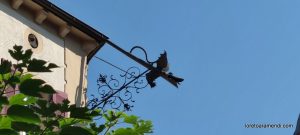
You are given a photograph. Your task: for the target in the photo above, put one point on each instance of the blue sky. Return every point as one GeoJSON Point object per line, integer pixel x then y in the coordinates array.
{"type": "Point", "coordinates": [240, 60]}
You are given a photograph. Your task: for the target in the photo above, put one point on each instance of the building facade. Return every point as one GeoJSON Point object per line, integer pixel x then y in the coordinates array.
{"type": "Point", "coordinates": [54, 36]}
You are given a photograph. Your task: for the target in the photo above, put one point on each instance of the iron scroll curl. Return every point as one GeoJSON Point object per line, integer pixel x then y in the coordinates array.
{"type": "Point", "coordinates": [117, 92]}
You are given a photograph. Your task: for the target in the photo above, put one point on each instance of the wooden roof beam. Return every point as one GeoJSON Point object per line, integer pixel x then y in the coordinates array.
{"type": "Point", "coordinates": [15, 4]}
{"type": "Point", "coordinates": [41, 16]}
{"type": "Point", "coordinates": [64, 30]}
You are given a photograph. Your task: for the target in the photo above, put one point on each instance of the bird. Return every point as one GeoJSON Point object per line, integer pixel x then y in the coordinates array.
{"type": "Point", "coordinates": [160, 70]}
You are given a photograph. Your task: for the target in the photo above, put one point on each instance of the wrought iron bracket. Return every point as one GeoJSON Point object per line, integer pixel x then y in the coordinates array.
{"type": "Point", "coordinates": [117, 92]}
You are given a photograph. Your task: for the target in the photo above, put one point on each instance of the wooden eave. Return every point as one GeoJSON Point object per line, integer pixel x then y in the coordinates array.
{"type": "Point", "coordinates": [46, 12]}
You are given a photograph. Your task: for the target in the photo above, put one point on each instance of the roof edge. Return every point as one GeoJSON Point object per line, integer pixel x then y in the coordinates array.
{"type": "Point", "coordinates": [75, 22]}
{"type": "Point", "coordinates": [71, 20]}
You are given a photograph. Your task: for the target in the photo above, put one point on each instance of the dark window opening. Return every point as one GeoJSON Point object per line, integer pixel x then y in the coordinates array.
{"type": "Point", "coordinates": [33, 41]}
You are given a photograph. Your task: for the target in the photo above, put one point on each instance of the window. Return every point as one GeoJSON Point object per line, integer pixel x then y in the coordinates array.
{"type": "Point", "coordinates": [33, 41]}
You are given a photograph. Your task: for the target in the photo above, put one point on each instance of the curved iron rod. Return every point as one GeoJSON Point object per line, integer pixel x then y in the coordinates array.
{"type": "Point", "coordinates": [146, 55]}
{"type": "Point", "coordinates": [143, 63]}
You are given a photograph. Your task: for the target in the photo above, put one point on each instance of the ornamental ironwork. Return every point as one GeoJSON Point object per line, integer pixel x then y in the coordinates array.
{"type": "Point", "coordinates": [116, 92]}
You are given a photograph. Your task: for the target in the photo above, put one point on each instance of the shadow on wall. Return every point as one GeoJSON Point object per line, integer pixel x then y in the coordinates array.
{"type": "Point", "coordinates": [79, 94]}
{"type": "Point", "coordinates": [69, 51]}
{"type": "Point", "coordinates": [27, 19]}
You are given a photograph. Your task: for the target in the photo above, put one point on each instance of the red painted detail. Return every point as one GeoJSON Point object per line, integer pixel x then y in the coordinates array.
{"type": "Point", "coordinates": [59, 97]}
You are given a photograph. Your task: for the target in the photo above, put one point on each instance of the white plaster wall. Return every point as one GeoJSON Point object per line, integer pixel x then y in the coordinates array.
{"type": "Point", "coordinates": [75, 71]}
{"type": "Point", "coordinates": [14, 29]}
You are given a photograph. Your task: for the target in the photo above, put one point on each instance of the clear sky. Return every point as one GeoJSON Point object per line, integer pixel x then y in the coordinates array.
{"type": "Point", "coordinates": [240, 60]}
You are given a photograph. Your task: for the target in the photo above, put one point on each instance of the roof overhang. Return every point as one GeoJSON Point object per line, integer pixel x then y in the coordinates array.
{"type": "Point", "coordinates": [67, 23]}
